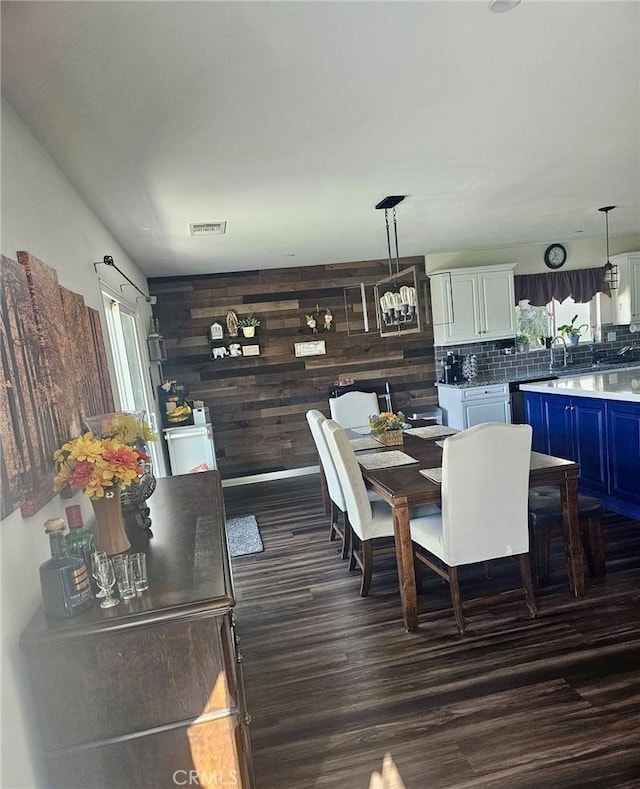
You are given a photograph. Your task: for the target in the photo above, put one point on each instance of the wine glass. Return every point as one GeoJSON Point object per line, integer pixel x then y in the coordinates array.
{"type": "Point", "coordinates": [95, 557]}
{"type": "Point", "coordinates": [106, 579]}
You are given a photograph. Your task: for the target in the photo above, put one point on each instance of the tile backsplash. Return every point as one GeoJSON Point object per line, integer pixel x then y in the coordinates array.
{"type": "Point", "coordinates": [496, 364]}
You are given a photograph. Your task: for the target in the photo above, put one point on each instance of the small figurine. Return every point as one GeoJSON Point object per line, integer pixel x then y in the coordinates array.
{"type": "Point", "coordinates": [232, 324]}
{"type": "Point", "coordinates": [216, 331]}
{"type": "Point", "coordinates": [219, 353]}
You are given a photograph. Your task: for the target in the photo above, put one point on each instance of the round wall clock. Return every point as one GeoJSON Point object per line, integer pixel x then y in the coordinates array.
{"type": "Point", "coordinates": [555, 256]}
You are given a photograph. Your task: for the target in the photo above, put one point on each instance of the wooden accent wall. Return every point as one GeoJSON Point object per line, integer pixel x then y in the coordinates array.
{"type": "Point", "coordinates": [258, 404]}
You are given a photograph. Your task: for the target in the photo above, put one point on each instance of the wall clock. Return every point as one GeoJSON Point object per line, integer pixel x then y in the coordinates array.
{"type": "Point", "coordinates": [555, 256]}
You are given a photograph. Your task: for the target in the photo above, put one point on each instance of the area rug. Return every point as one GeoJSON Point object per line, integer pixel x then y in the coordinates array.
{"type": "Point", "coordinates": [243, 535]}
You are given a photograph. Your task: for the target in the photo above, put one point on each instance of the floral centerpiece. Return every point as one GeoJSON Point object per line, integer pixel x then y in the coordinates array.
{"type": "Point", "coordinates": [387, 427]}
{"type": "Point", "coordinates": [103, 466]}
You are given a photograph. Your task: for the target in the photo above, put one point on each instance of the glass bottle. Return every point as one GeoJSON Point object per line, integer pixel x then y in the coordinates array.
{"type": "Point", "coordinates": [79, 541]}
{"type": "Point", "coordinates": [64, 581]}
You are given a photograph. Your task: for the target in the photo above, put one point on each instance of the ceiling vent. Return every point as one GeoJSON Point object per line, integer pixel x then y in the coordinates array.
{"type": "Point", "coordinates": [207, 228]}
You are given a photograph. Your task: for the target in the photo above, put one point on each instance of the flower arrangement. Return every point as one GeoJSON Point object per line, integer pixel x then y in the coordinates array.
{"type": "Point", "coordinates": [386, 421]}
{"type": "Point", "coordinates": [98, 466]}
{"type": "Point", "coordinates": [315, 319]}
{"type": "Point", "coordinates": [128, 427]}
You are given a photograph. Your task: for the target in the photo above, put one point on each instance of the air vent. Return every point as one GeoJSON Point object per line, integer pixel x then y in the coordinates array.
{"type": "Point", "coordinates": [207, 228]}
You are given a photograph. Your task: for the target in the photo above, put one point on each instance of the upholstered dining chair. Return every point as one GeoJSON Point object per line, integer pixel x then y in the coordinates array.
{"type": "Point", "coordinates": [545, 523]}
{"type": "Point", "coordinates": [369, 519]}
{"type": "Point", "coordinates": [353, 409]}
{"type": "Point", "coordinates": [485, 486]}
{"type": "Point", "coordinates": [338, 511]}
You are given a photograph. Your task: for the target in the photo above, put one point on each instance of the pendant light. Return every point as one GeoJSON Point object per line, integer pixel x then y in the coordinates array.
{"type": "Point", "coordinates": [397, 306]}
{"type": "Point", "coordinates": [611, 271]}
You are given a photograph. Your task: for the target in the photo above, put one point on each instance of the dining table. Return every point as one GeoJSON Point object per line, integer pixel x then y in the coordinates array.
{"type": "Point", "coordinates": [403, 486]}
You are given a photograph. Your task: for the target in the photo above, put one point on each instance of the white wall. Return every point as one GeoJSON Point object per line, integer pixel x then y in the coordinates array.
{"type": "Point", "coordinates": [41, 213]}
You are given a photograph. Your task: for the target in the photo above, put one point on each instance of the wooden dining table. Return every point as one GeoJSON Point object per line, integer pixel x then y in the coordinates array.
{"type": "Point", "coordinates": [403, 487]}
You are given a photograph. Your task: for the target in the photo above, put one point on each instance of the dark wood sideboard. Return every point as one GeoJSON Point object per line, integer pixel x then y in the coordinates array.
{"type": "Point", "coordinates": [150, 693]}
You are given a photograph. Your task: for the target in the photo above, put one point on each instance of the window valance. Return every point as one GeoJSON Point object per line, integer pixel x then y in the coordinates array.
{"type": "Point", "coordinates": [581, 284]}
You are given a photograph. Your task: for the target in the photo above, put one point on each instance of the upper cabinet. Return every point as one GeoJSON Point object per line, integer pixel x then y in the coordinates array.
{"type": "Point", "coordinates": [627, 296]}
{"type": "Point", "coordinates": [472, 304]}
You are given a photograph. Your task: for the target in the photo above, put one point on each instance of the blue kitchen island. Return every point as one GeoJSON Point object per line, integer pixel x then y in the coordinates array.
{"type": "Point", "coordinates": [594, 419]}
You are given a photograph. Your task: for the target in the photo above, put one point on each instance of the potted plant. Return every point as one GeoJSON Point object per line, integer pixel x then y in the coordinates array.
{"type": "Point", "coordinates": [522, 342]}
{"type": "Point", "coordinates": [249, 325]}
{"type": "Point", "coordinates": [570, 332]}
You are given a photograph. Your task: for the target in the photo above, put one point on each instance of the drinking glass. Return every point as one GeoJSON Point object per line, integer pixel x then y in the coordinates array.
{"type": "Point", "coordinates": [139, 561]}
{"type": "Point", "coordinates": [96, 556]}
{"type": "Point", "coordinates": [106, 578]}
{"type": "Point", "coordinates": [124, 571]}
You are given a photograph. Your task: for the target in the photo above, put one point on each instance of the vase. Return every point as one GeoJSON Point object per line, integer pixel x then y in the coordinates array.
{"type": "Point", "coordinates": [390, 437]}
{"type": "Point", "coordinates": [574, 339]}
{"type": "Point", "coordinates": [110, 534]}
{"type": "Point", "coordinates": [249, 331]}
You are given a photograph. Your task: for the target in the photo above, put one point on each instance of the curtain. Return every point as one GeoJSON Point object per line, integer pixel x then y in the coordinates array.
{"type": "Point", "coordinates": [581, 284]}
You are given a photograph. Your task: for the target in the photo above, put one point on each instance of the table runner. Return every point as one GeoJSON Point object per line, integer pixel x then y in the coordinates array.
{"type": "Point", "coordinates": [385, 459]}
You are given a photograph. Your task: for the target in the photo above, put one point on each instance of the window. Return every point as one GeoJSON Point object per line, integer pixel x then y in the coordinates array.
{"type": "Point", "coordinates": [122, 326]}
{"type": "Point", "coordinates": [540, 322]}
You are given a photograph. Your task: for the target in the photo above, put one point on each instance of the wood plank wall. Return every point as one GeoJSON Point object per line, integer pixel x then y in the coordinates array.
{"type": "Point", "coordinates": [258, 404]}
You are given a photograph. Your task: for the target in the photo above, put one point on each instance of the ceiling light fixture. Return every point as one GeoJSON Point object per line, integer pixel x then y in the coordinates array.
{"type": "Point", "coordinates": [397, 307]}
{"type": "Point", "coordinates": [499, 6]}
{"type": "Point", "coordinates": [611, 271]}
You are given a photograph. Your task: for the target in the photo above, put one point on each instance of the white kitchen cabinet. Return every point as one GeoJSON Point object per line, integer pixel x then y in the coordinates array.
{"type": "Point", "coordinates": [472, 304]}
{"type": "Point", "coordinates": [468, 406]}
{"type": "Point", "coordinates": [627, 296]}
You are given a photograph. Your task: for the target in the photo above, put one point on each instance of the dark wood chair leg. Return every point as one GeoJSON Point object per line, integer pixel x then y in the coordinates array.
{"type": "Point", "coordinates": [593, 541]}
{"type": "Point", "coordinates": [417, 571]}
{"type": "Point", "coordinates": [333, 514]}
{"type": "Point", "coordinates": [543, 557]}
{"type": "Point", "coordinates": [353, 547]}
{"type": "Point", "coordinates": [527, 583]}
{"type": "Point", "coordinates": [346, 538]}
{"type": "Point", "coordinates": [456, 600]}
{"type": "Point", "coordinates": [367, 567]}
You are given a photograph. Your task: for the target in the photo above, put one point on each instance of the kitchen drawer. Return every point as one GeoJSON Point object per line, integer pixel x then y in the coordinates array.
{"type": "Point", "coordinates": [491, 390]}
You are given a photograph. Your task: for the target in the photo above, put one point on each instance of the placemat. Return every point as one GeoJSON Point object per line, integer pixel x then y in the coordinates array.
{"type": "Point", "coordinates": [367, 442]}
{"type": "Point", "coordinates": [432, 431]}
{"type": "Point", "coordinates": [434, 474]}
{"type": "Point", "coordinates": [364, 430]}
{"type": "Point", "coordinates": [385, 459]}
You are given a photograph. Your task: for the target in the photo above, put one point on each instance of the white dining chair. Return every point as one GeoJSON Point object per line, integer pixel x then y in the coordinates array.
{"type": "Point", "coordinates": [340, 526]}
{"type": "Point", "coordinates": [484, 515]}
{"type": "Point", "coordinates": [353, 409]}
{"type": "Point", "coordinates": [369, 519]}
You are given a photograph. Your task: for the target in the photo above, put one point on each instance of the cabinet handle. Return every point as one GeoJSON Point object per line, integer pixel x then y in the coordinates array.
{"type": "Point", "coordinates": [239, 658]}
{"type": "Point", "coordinates": [246, 719]}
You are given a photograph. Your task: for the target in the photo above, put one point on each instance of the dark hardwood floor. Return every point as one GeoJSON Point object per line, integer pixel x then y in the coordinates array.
{"type": "Point", "coordinates": [334, 682]}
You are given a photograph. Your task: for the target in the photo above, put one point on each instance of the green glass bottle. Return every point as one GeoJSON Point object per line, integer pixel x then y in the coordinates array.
{"type": "Point", "coordinates": [79, 541]}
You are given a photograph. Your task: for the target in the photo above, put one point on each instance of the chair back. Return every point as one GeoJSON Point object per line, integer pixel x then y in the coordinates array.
{"type": "Point", "coordinates": [485, 487]}
{"type": "Point", "coordinates": [353, 409]}
{"type": "Point", "coordinates": [315, 420]}
{"type": "Point", "coordinates": [350, 475]}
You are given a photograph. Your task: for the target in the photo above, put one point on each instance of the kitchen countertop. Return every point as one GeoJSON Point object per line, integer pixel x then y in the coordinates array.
{"type": "Point", "coordinates": [559, 372]}
{"type": "Point", "coordinates": [617, 384]}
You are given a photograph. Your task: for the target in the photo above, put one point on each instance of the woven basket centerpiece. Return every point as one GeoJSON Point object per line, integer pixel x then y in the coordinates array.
{"type": "Point", "coordinates": [387, 427]}
{"type": "Point", "coordinates": [390, 437]}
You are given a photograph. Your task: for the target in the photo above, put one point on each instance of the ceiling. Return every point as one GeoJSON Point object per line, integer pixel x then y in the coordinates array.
{"type": "Point", "coordinates": [291, 120]}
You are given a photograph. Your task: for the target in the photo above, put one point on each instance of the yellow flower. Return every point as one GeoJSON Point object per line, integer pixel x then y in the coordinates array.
{"type": "Point", "coordinates": [387, 420]}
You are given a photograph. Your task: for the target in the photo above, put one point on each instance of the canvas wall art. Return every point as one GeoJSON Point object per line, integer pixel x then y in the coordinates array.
{"type": "Point", "coordinates": [53, 369]}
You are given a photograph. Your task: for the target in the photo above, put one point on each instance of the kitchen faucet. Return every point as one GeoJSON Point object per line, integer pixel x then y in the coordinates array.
{"type": "Point", "coordinates": [564, 352]}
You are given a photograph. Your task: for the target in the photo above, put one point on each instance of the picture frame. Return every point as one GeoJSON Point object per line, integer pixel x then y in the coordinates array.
{"type": "Point", "coordinates": [313, 348]}
{"type": "Point", "coordinates": [251, 350]}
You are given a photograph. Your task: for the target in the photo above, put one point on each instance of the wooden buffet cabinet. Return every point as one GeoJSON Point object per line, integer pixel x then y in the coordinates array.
{"type": "Point", "coordinates": [150, 693]}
